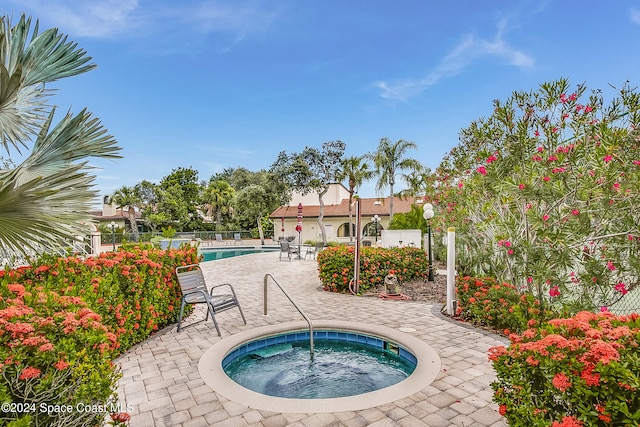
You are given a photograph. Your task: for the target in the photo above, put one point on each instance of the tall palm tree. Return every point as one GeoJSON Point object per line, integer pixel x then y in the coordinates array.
{"type": "Point", "coordinates": [355, 171]}
{"type": "Point", "coordinates": [389, 159]}
{"type": "Point", "coordinates": [417, 181]}
{"type": "Point", "coordinates": [218, 198]}
{"type": "Point", "coordinates": [130, 198]}
{"type": "Point", "coordinates": [45, 200]}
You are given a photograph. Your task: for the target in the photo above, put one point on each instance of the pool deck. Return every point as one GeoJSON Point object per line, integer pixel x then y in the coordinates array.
{"type": "Point", "coordinates": [162, 386]}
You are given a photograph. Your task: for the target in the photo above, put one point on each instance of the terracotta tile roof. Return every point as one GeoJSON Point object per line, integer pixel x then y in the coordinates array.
{"type": "Point", "coordinates": [368, 206]}
{"type": "Point", "coordinates": [97, 215]}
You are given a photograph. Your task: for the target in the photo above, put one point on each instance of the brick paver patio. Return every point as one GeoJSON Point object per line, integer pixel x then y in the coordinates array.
{"type": "Point", "coordinates": [162, 386]}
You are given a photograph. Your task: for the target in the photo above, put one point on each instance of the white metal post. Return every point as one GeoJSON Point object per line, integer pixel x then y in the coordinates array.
{"type": "Point", "coordinates": [451, 269]}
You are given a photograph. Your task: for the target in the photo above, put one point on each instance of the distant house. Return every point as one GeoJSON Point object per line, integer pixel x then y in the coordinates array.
{"type": "Point", "coordinates": [336, 215]}
{"type": "Point", "coordinates": [110, 213]}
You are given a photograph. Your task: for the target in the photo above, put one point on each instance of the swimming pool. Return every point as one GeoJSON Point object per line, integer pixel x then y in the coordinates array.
{"type": "Point", "coordinates": [212, 254]}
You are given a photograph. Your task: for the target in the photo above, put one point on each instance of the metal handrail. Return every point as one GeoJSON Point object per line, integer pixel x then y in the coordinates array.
{"type": "Point", "coordinates": [266, 276]}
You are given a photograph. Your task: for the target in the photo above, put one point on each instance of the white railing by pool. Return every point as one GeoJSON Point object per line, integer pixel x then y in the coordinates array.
{"type": "Point", "coordinates": [266, 276]}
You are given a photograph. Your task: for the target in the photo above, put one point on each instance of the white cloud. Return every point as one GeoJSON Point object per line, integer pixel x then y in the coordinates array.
{"type": "Point", "coordinates": [462, 56]}
{"type": "Point", "coordinates": [86, 18]}
{"type": "Point", "coordinates": [126, 18]}
{"type": "Point", "coordinates": [635, 16]}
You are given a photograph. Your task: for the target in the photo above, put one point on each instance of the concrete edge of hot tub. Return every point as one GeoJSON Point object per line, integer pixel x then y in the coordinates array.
{"type": "Point", "coordinates": [427, 368]}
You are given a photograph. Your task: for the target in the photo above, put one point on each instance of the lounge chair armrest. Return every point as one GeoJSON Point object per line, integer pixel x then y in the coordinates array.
{"type": "Point", "coordinates": [219, 286]}
{"type": "Point", "coordinates": [195, 291]}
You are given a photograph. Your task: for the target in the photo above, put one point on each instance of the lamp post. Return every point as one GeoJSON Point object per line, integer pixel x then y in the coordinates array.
{"type": "Point", "coordinates": [428, 214]}
{"type": "Point", "coordinates": [376, 220]}
{"type": "Point", "coordinates": [113, 234]}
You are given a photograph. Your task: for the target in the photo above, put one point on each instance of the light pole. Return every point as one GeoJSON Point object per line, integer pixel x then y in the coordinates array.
{"type": "Point", "coordinates": [428, 214]}
{"type": "Point", "coordinates": [113, 234]}
{"type": "Point", "coordinates": [376, 220]}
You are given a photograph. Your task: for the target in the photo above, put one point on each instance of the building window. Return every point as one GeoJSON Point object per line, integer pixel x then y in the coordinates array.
{"type": "Point", "coordinates": [343, 230]}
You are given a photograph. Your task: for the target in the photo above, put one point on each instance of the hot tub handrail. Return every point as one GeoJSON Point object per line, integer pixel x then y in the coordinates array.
{"type": "Point", "coordinates": [266, 276]}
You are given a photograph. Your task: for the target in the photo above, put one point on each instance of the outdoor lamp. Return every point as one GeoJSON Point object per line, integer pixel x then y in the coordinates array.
{"type": "Point", "coordinates": [113, 234]}
{"type": "Point", "coordinates": [376, 220]}
{"type": "Point", "coordinates": [428, 214]}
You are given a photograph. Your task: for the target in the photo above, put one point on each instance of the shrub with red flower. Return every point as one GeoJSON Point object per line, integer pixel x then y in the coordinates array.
{"type": "Point", "coordinates": [575, 371]}
{"type": "Point", "coordinates": [40, 362]}
{"type": "Point", "coordinates": [335, 266]}
{"type": "Point", "coordinates": [500, 306]}
{"type": "Point", "coordinates": [64, 319]}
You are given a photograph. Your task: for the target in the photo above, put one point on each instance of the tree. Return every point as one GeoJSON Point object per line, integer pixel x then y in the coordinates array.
{"type": "Point", "coordinates": [312, 170]}
{"type": "Point", "coordinates": [44, 201]}
{"type": "Point", "coordinates": [130, 198]}
{"type": "Point", "coordinates": [217, 199]}
{"type": "Point", "coordinates": [183, 189]}
{"type": "Point", "coordinates": [411, 220]}
{"type": "Point", "coordinates": [389, 159]}
{"type": "Point", "coordinates": [172, 210]}
{"type": "Point", "coordinates": [417, 181]}
{"type": "Point", "coordinates": [241, 178]}
{"type": "Point", "coordinates": [253, 203]}
{"type": "Point", "coordinates": [355, 171]}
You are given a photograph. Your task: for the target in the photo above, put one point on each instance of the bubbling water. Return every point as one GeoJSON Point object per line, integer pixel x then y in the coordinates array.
{"type": "Point", "coordinates": [338, 369]}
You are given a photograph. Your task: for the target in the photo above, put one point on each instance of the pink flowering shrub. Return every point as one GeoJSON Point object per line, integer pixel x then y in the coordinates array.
{"type": "Point", "coordinates": [577, 371]}
{"type": "Point", "coordinates": [335, 266]}
{"type": "Point", "coordinates": [543, 194]}
{"type": "Point", "coordinates": [62, 321]}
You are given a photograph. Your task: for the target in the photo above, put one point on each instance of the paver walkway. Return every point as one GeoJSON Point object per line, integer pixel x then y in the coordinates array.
{"type": "Point", "coordinates": [162, 385]}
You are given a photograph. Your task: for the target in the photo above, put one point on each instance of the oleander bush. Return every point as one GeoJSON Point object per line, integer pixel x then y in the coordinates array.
{"type": "Point", "coordinates": [577, 371]}
{"type": "Point", "coordinates": [64, 319]}
{"type": "Point", "coordinates": [543, 194]}
{"type": "Point", "coordinates": [335, 266]}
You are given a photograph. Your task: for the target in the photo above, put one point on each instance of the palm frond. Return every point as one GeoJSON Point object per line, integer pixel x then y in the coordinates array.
{"type": "Point", "coordinates": [44, 202]}
{"type": "Point", "coordinates": [26, 64]}
{"type": "Point", "coordinates": [44, 213]}
{"type": "Point", "coordinates": [53, 58]}
{"type": "Point", "coordinates": [73, 138]}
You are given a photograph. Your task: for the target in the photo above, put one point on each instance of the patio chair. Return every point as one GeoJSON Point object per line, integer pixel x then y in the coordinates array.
{"type": "Point", "coordinates": [219, 239]}
{"type": "Point", "coordinates": [194, 291]}
{"type": "Point", "coordinates": [287, 249]}
{"type": "Point", "coordinates": [313, 250]}
{"type": "Point", "coordinates": [237, 238]}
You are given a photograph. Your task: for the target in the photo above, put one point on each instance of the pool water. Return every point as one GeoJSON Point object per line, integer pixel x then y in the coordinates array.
{"type": "Point", "coordinates": [215, 254]}
{"type": "Point", "coordinates": [338, 369]}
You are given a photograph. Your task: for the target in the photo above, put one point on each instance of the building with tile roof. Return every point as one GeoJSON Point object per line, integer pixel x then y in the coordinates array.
{"type": "Point", "coordinates": [336, 215]}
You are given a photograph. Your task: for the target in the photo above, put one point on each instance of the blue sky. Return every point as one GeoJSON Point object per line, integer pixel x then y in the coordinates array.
{"type": "Point", "coordinates": [215, 84]}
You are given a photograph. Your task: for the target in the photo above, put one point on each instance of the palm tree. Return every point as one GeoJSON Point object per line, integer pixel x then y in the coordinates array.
{"type": "Point", "coordinates": [389, 159]}
{"type": "Point", "coordinates": [45, 200]}
{"type": "Point", "coordinates": [130, 198]}
{"type": "Point", "coordinates": [417, 181]}
{"type": "Point", "coordinates": [217, 198]}
{"type": "Point", "coordinates": [355, 171]}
